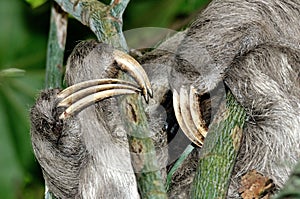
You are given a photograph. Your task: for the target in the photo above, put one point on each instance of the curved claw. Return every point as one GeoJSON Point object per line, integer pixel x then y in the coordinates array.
{"type": "Point", "coordinates": [70, 99]}
{"type": "Point", "coordinates": [94, 82]}
{"type": "Point", "coordinates": [83, 94]}
{"type": "Point", "coordinates": [196, 112]}
{"type": "Point", "coordinates": [93, 98]}
{"type": "Point", "coordinates": [179, 117]}
{"type": "Point", "coordinates": [188, 115]}
{"type": "Point", "coordinates": [129, 64]}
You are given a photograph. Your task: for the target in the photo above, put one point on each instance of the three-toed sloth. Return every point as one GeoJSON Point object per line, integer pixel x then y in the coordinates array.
{"type": "Point", "coordinates": [252, 47]}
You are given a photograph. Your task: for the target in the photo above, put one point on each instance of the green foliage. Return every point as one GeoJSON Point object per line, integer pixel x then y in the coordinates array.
{"type": "Point", "coordinates": [23, 49]}
{"type": "Point", "coordinates": [158, 13]}
{"type": "Point", "coordinates": [11, 72]}
{"type": "Point", "coordinates": [36, 3]}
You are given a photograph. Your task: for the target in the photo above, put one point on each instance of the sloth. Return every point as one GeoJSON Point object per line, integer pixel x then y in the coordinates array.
{"type": "Point", "coordinates": [249, 47]}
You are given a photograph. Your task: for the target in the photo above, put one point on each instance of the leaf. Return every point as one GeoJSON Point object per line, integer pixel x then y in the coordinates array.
{"type": "Point", "coordinates": [36, 3]}
{"type": "Point", "coordinates": [12, 72]}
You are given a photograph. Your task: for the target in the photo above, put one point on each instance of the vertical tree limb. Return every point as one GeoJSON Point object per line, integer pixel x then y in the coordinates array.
{"type": "Point", "coordinates": [55, 55]}
{"type": "Point", "coordinates": [143, 154]}
{"type": "Point", "coordinates": [56, 47]}
{"type": "Point", "coordinates": [219, 152]}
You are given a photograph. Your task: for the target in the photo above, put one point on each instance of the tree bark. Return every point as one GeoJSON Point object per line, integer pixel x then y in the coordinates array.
{"type": "Point", "coordinates": [219, 152]}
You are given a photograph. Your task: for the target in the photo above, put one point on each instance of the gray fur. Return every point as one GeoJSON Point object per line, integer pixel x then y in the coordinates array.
{"type": "Point", "coordinates": [271, 138]}
{"type": "Point", "coordinates": [253, 46]}
{"type": "Point", "coordinates": [250, 45]}
{"type": "Point", "coordinates": [100, 159]}
{"type": "Point", "coordinates": [102, 169]}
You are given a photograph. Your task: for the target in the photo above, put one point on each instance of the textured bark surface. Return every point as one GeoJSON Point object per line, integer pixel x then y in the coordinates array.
{"type": "Point", "coordinates": [56, 47]}
{"type": "Point", "coordinates": [218, 155]}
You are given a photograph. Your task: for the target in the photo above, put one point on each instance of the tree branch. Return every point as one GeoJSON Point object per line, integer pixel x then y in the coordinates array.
{"type": "Point", "coordinates": [55, 55]}
{"type": "Point", "coordinates": [104, 20]}
{"type": "Point", "coordinates": [118, 7]}
{"type": "Point", "coordinates": [56, 47]}
{"type": "Point", "coordinates": [219, 152]}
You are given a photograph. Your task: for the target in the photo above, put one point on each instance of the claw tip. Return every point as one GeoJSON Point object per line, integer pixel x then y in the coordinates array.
{"type": "Point", "coordinates": [64, 116]}
{"type": "Point", "coordinates": [150, 92]}
{"type": "Point", "coordinates": [146, 97]}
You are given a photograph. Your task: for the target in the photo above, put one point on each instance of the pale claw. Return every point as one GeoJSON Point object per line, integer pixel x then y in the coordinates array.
{"type": "Point", "coordinates": [127, 63]}
{"type": "Point", "coordinates": [93, 98]}
{"type": "Point", "coordinates": [188, 114]}
{"type": "Point", "coordinates": [94, 89]}
{"type": "Point", "coordinates": [187, 117]}
{"type": "Point", "coordinates": [71, 90]}
{"type": "Point", "coordinates": [196, 112]}
{"type": "Point", "coordinates": [83, 94]}
{"type": "Point", "coordinates": [179, 117]}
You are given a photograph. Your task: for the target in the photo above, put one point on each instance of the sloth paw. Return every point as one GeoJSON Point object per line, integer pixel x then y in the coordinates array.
{"type": "Point", "coordinates": [188, 114]}
{"type": "Point", "coordinates": [79, 96]}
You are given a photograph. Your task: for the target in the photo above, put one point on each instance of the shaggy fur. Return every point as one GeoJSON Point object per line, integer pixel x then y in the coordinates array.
{"type": "Point", "coordinates": [253, 46]}
{"type": "Point", "coordinates": [88, 156]}
{"type": "Point", "coordinates": [250, 45]}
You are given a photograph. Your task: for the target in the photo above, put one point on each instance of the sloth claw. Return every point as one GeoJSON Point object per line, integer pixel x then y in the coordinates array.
{"type": "Point", "coordinates": [130, 65]}
{"type": "Point", "coordinates": [84, 94]}
{"type": "Point", "coordinates": [79, 96]}
{"type": "Point", "coordinates": [188, 115]}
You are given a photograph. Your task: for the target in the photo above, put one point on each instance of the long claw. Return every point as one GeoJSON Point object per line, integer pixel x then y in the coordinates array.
{"type": "Point", "coordinates": [196, 112]}
{"type": "Point", "coordinates": [70, 99]}
{"type": "Point", "coordinates": [90, 99]}
{"type": "Point", "coordinates": [94, 82]}
{"type": "Point", "coordinates": [177, 110]}
{"type": "Point", "coordinates": [188, 115]}
{"type": "Point", "coordinates": [127, 63]}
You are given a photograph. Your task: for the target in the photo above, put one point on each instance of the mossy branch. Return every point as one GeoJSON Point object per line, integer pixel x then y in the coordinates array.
{"type": "Point", "coordinates": [104, 20]}
{"type": "Point", "coordinates": [219, 152]}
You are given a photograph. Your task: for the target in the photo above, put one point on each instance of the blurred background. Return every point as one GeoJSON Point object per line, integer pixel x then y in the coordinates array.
{"type": "Point", "coordinates": [23, 46]}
